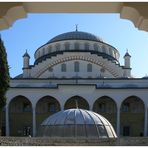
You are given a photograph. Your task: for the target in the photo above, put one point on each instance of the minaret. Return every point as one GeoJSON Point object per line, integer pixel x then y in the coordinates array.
{"type": "Point", "coordinates": [127, 64]}
{"type": "Point", "coordinates": [26, 68]}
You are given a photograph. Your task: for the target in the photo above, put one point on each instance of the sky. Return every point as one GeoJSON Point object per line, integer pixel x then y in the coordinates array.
{"type": "Point", "coordinates": [37, 29]}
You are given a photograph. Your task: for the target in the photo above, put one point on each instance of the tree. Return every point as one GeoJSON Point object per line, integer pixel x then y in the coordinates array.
{"type": "Point", "coordinates": [4, 79]}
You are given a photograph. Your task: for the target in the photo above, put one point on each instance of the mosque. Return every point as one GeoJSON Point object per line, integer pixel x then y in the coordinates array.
{"type": "Point", "coordinates": [77, 66]}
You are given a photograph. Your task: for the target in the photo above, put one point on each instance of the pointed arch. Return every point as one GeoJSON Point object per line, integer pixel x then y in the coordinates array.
{"type": "Point", "coordinates": [45, 107]}
{"type": "Point", "coordinates": [107, 107]}
{"type": "Point", "coordinates": [76, 101]}
{"type": "Point", "coordinates": [20, 115]}
{"type": "Point", "coordinates": [132, 116]}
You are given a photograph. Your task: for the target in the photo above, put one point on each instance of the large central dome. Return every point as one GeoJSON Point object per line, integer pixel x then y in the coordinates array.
{"type": "Point", "coordinates": [75, 35]}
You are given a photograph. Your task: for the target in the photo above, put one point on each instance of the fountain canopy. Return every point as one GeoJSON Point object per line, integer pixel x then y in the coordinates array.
{"type": "Point", "coordinates": [77, 123]}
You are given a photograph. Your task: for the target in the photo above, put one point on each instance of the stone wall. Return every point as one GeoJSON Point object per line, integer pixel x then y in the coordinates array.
{"type": "Point", "coordinates": [42, 141]}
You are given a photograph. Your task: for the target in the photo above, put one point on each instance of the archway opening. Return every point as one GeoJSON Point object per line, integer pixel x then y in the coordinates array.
{"type": "Point", "coordinates": [106, 107]}
{"type": "Point", "coordinates": [45, 107]}
{"type": "Point", "coordinates": [20, 116]}
{"type": "Point", "coordinates": [76, 102]}
{"type": "Point", "coordinates": [132, 117]}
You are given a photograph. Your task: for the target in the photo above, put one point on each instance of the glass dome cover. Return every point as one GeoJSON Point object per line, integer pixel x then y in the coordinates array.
{"type": "Point", "coordinates": [77, 123]}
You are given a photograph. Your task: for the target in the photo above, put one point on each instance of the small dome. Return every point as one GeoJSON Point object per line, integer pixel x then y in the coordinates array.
{"type": "Point", "coordinates": [75, 35]}
{"type": "Point", "coordinates": [77, 123]}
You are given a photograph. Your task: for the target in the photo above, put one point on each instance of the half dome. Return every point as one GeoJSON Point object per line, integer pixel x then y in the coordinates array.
{"type": "Point", "coordinates": [77, 123]}
{"type": "Point", "coordinates": [75, 35]}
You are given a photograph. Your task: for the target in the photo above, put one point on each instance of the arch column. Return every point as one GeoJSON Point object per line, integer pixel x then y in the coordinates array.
{"type": "Point", "coordinates": [7, 120]}
{"type": "Point", "coordinates": [34, 120]}
{"type": "Point", "coordinates": [145, 122]}
{"type": "Point", "coordinates": [118, 121]}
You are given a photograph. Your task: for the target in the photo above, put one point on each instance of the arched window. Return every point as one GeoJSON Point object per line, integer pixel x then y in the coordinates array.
{"type": "Point", "coordinates": [76, 66]}
{"type": "Point", "coordinates": [38, 53]}
{"type": "Point", "coordinates": [50, 69]}
{"type": "Point", "coordinates": [89, 67]}
{"type": "Point", "coordinates": [51, 107]}
{"type": "Point", "coordinates": [49, 49]}
{"type": "Point", "coordinates": [76, 46]}
{"type": "Point", "coordinates": [67, 46]}
{"type": "Point", "coordinates": [57, 47]}
{"type": "Point", "coordinates": [110, 51]}
{"type": "Point", "coordinates": [26, 107]}
{"type": "Point", "coordinates": [63, 67]}
{"type": "Point", "coordinates": [43, 53]}
{"type": "Point", "coordinates": [95, 47]}
{"type": "Point", "coordinates": [86, 46]}
{"type": "Point", "coordinates": [103, 49]}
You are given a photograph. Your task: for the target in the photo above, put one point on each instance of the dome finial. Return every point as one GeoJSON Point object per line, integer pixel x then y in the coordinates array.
{"type": "Point", "coordinates": [76, 103]}
{"type": "Point", "coordinates": [76, 27]}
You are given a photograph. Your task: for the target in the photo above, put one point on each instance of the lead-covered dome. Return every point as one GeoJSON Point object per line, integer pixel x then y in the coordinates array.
{"type": "Point", "coordinates": [76, 41]}
{"type": "Point", "coordinates": [75, 35]}
{"type": "Point", "coordinates": [77, 123]}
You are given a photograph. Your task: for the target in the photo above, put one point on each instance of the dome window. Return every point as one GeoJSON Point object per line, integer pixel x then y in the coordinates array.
{"type": "Point", "coordinates": [63, 67]}
{"type": "Point", "coordinates": [67, 46]}
{"type": "Point", "coordinates": [57, 47]}
{"type": "Point", "coordinates": [76, 66]}
{"type": "Point", "coordinates": [89, 67]}
{"type": "Point", "coordinates": [39, 54]}
{"type": "Point", "coordinates": [110, 52]}
{"type": "Point", "coordinates": [95, 47]}
{"type": "Point", "coordinates": [86, 46]}
{"type": "Point", "coordinates": [50, 69]}
{"type": "Point", "coordinates": [76, 46]}
{"type": "Point", "coordinates": [49, 49]}
{"type": "Point", "coordinates": [43, 52]}
{"type": "Point", "coordinates": [103, 49]}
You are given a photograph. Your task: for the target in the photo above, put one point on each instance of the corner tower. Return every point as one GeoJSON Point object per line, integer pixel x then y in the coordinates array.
{"type": "Point", "coordinates": [26, 67]}
{"type": "Point", "coordinates": [127, 64]}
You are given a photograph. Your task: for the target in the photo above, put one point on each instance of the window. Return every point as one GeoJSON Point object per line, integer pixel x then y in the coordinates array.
{"type": "Point", "coordinates": [67, 46]}
{"type": "Point", "coordinates": [49, 49]}
{"type": "Point", "coordinates": [102, 107]}
{"type": "Point", "coordinates": [76, 66]}
{"type": "Point", "coordinates": [50, 69]}
{"type": "Point", "coordinates": [38, 53]}
{"type": "Point", "coordinates": [57, 47]}
{"type": "Point", "coordinates": [51, 107]}
{"type": "Point", "coordinates": [63, 67]}
{"type": "Point", "coordinates": [95, 47]}
{"type": "Point", "coordinates": [86, 46]}
{"type": "Point", "coordinates": [26, 107]}
{"type": "Point", "coordinates": [110, 52]}
{"type": "Point", "coordinates": [125, 107]}
{"type": "Point", "coordinates": [126, 130]}
{"type": "Point", "coordinates": [103, 49]}
{"type": "Point", "coordinates": [27, 131]}
{"type": "Point", "coordinates": [76, 46]}
{"type": "Point", "coordinates": [89, 67]}
{"type": "Point", "coordinates": [43, 52]}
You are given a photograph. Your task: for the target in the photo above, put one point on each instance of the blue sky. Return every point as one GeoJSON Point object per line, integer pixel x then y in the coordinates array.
{"type": "Point", "coordinates": [37, 29]}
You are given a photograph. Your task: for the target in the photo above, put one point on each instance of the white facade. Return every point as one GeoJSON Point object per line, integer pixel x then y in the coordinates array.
{"type": "Point", "coordinates": [77, 64]}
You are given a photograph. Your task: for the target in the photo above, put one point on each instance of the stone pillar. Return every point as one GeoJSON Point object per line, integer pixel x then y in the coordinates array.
{"type": "Point", "coordinates": [145, 122]}
{"type": "Point", "coordinates": [34, 122]}
{"type": "Point", "coordinates": [7, 120]}
{"type": "Point", "coordinates": [118, 121]}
